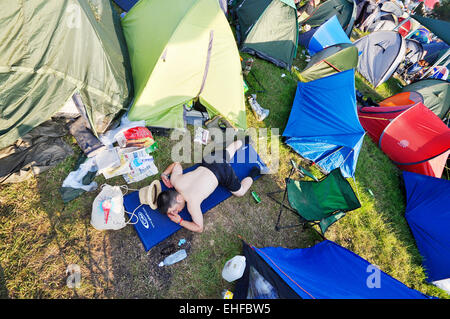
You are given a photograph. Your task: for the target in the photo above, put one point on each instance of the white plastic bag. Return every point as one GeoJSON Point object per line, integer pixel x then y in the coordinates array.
{"type": "Point", "coordinates": [75, 178]}
{"type": "Point", "coordinates": [107, 209]}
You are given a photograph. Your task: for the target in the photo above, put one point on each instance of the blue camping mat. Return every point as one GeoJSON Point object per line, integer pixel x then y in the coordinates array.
{"type": "Point", "coordinates": [153, 227]}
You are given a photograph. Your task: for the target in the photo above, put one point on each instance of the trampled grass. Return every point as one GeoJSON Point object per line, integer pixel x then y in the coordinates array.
{"type": "Point", "coordinates": [40, 236]}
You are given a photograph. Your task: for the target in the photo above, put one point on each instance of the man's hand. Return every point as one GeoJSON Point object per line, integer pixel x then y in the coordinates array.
{"type": "Point", "coordinates": [166, 180]}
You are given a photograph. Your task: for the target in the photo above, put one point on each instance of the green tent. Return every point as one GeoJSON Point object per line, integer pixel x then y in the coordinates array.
{"type": "Point", "coordinates": [331, 60]}
{"type": "Point", "coordinates": [435, 94]}
{"type": "Point", "coordinates": [181, 51]}
{"type": "Point", "coordinates": [345, 10]}
{"type": "Point", "coordinates": [268, 29]}
{"type": "Point", "coordinates": [50, 50]}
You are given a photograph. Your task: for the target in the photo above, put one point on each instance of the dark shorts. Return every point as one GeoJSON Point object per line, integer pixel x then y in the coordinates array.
{"type": "Point", "coordinates": [221, 168]}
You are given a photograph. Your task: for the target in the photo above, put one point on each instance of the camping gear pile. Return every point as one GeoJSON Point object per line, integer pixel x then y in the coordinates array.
{"type": "Point", "coordinates": [116, 84]}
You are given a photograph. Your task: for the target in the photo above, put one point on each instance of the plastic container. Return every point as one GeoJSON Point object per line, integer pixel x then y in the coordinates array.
{"type": "Point", "coordinates": [234, 268]}
{"type": "Point", "coordinates": [174, 258]}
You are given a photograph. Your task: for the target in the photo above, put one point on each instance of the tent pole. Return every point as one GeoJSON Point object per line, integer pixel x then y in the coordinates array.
{"type": "Point", "coordinates": [447, 54]}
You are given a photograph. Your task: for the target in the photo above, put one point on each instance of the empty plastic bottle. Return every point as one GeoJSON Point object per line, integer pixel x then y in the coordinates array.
{"type": "Point", "coordinates": [174, 258]}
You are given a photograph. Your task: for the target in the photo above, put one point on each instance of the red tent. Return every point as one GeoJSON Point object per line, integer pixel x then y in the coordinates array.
{"type": "Point", "coordinates": [374, 119]}
{"type": "Point", "coordinates": [413, 137]}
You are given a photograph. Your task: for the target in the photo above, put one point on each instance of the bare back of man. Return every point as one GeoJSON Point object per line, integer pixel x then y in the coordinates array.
{"type": "Point", "coordinates": [195, 187]}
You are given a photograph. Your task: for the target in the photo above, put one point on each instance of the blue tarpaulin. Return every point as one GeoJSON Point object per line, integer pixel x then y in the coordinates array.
{"type": "Point", "coordinates": [328, 34]}
{"type": "Point", "coordinates": [428, 216]}
{"type": "Point", "coordinates": [323, 125]}
{"type": "Point", "coordinates": [329, 271]}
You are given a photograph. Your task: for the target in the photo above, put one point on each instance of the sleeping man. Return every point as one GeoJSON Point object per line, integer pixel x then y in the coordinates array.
{"type": "Point", "coordinates": [193, 187]}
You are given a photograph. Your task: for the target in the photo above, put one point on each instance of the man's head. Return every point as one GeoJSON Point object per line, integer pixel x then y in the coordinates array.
{"type": "Point", "coordinates": [170, 202]}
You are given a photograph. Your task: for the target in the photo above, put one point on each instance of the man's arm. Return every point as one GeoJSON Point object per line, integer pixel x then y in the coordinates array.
{"type": "Point", "coordinates": [197, 219]}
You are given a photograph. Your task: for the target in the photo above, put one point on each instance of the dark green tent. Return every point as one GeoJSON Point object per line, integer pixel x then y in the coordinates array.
{"type": "Point", "coordinates": [435, 94]}
{"type": "Point", "coordinates": [345, 10]}
{"type": "Point", "coordinates": [331, 60]}
{"type": "Point", "coordinates": [50, 50]}
{"type": "Point", "coordinates": [268, 29]}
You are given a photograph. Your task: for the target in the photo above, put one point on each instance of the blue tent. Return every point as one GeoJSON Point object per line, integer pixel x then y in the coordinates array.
{"type": "Point", "coordinates": [323, 125]}
{"type": "Point", "coordinates": [324, 271]}
{"type": "Point", "coordinates": [328, 34]}
{"type": "Point", "coordinates": [428, 216]}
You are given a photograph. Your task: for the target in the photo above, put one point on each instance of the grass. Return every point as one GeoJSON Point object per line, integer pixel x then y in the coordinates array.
{"type": "Point", "coordinates": [40, 236]}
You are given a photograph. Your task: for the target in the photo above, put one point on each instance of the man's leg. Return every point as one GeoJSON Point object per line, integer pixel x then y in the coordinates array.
{"type": "Point", "coordinates": [230, 150]}
{"type": "Point", "coordinates": [233, 147]}
{"type": "Point", "coordinates": [247, 181]}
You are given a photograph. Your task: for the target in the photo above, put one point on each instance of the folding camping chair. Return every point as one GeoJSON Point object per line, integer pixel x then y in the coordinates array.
{"type": "Point", "coordinates": [318, 202]}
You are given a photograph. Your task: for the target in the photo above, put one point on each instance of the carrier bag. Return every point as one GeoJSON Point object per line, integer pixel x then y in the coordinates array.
{"type": "Point", "coordinates": [107, 209]}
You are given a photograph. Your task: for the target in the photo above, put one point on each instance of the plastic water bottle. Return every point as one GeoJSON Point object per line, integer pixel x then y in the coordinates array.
{"type": "Point", "coordinates": [234, 268]}
{"type": "Point", "coordinates": [174, 258]}
{"type": "Point", "coordinates": [260, 113]}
